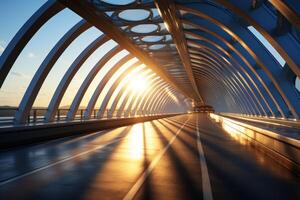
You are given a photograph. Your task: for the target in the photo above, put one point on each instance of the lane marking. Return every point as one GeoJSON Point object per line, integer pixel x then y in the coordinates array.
{"type": "Point", "coordinates": [206, 186]}
{"type": "Point", "coordinates": [135, 188]}
{"type": "Point", "coordinates": [56, 163]}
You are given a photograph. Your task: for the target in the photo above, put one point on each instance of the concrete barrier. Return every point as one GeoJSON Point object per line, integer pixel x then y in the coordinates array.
{"type": "Point", "coordinates": [285, 150]}
{"type": "Point", "coordinates": [16, 136]}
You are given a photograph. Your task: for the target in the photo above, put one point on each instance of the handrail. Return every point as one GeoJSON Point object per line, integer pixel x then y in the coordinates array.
{"type": "Point", "coordinates": [37, 115]}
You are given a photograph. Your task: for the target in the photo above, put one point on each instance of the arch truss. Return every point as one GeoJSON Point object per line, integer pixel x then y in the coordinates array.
{"type": "Point", "coordinates": [208, 52]}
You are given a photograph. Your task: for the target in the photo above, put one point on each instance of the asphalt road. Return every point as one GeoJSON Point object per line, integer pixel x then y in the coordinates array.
{"type": "Point", "coordinates": [173, 158]}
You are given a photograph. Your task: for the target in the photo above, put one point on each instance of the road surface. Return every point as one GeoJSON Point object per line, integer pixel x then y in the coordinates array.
{"type": "Point", "coordinates": [183, 157]}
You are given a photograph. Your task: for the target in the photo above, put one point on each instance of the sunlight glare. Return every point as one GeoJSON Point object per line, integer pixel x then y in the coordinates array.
{"type": "Point", "coordinates": [136, 142]}
{"type": "Point", "coordinates": [138, 83]}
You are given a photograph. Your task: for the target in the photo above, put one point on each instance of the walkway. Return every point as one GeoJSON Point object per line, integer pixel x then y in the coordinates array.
{"type": "Point", "coordinates": [160, 159]}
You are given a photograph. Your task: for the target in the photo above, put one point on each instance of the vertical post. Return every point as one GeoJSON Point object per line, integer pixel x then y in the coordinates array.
{"type": "Point", "coordinates": [28, 118]}
{"type": "Point", "coordinates": [58, 114]}
{"type": "Point", "coordinates": [81, 114]}
{"type": "Point", "coordinates": [34, 115]}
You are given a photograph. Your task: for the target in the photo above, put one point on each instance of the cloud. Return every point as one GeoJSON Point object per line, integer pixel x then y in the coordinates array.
{"type": "Point", "coordinates": [31, 55]}
{"type": "Point", "coordinates": [1, 49]}
{"type": "Point", "coordinates": [2, 46]}
{"type": "Point", "coordinates": [6, 92]}
{"type": "Point", "coordinates": [19, 74]}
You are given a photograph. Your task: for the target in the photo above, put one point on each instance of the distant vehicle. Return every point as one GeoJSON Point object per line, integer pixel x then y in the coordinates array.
{"type": "Point", "coordinates": [204, 109]}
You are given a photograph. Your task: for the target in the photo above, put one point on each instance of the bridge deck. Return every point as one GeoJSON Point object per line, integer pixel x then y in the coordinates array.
{"type": "Point", "coordinates": [160, 159]}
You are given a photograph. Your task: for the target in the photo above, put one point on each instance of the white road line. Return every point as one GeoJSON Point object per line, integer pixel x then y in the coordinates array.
{"type": "Point", "coordinates": [132, 192]}
{"type": "Point", "coordinates": [206, 187]}
{"type": "Point", "coordinates": [58, 162]}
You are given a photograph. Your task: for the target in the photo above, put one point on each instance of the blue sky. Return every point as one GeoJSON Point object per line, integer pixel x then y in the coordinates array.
{"type": "Point", "coordinates": [37, 49]}
{"type": "Point", "coordinates": [13, 14]}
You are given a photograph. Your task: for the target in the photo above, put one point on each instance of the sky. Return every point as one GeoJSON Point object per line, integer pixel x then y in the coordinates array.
{"type": "Point", "coordinates": [33, 54]}
{"type": "Point", "coordinates": [14, 13]}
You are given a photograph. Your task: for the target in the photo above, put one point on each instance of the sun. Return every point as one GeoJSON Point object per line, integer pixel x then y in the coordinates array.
{"type": "Point", "coordinates": [138, 83]}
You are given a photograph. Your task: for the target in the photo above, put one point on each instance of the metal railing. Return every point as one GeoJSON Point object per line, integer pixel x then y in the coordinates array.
{"type": "Point", "coordinates": [37, 115]}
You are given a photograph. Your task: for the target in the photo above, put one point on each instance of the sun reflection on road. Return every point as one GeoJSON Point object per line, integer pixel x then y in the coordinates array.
{"type": "Point", "coordinates": [235, 131]}
{"type": "Point", "coordinates": [136, 142]}
{"type": "Point", "coordinates": [243, 135]}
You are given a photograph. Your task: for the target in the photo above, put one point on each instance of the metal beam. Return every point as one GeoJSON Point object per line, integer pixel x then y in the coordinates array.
{"type": "Point", "coordinates": [141, 97]}
{"type": "Point", "coordinates": [282, 91]}
{"type": "Point", "coordinates": [119, 80]}
{"type": "Point", "coordinates": [69, 75]}
{"type": "Point", "coordinates": [89, 12]}
{"type": "Point", "coordinates": [23, 36]}
{"type": "Point", "coordinates": [92, 102]}
{"type": "Point", "coordinates": [281, 48]}
{"type": "Point", "coordinates": [40, 76]}
{"type": "Point", "coordinates": [88, 80]}
{"type": "Point", "coordinates": [243, 73]}
{"type": "Point", "coordinates": [148, 94]}
{"type": "Point", "coordinates": [130, 95]}
{"type": "Point", "coordinates": [122, 91]}
{"type": "Point", "coordinates": [169, 14]}
{"type": "Point", "coordinates": [287, 12]}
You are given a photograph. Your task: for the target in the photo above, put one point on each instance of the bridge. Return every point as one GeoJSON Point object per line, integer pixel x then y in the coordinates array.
{"type": "Point", "coordinates": [150, 99]}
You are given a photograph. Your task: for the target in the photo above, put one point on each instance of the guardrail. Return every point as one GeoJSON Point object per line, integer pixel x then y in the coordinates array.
{"type": "Point", "coordinates": [269, 118]}
{"type": "Point", "coordinates": [283, 149]}
{"type": "Point", "coordinates": [21, 135]}
{"type": "Point", "coordinates": [37, 115]}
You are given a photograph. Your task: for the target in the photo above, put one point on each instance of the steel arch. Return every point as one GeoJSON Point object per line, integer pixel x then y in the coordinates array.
{"type": "Point", "coordinates": [25, 33]}
{"type": "Point", "coordinates": [44, 69]}
{"type": "Point", "coordinates": [102, 84]}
